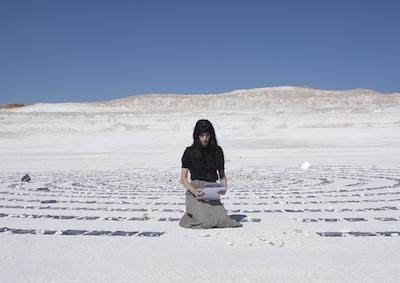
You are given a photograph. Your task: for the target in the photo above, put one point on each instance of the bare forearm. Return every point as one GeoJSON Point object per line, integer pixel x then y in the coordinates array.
{"type": "Point", "coordinates": [223, 181]}
{"type": "Point", "coordinates": [188, 186]}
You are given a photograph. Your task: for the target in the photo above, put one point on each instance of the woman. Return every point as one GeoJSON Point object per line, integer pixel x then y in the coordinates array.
{"type": "Point", "coordinates": [204, 158]}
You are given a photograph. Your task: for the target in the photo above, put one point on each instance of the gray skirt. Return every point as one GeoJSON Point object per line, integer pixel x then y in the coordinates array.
{"type": "Point", "coordinates": [202, 214]}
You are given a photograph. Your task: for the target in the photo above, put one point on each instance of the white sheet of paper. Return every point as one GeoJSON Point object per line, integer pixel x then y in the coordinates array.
{"type": "Point", "coordinates": [211, 192]}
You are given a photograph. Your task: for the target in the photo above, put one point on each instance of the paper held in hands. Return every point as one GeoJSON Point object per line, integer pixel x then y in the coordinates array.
{"type": "Point", "coordinates": [211, 191]}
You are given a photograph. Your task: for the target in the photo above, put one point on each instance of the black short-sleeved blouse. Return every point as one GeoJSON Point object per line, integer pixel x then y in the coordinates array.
{"type": "Point", "coordinates": [202, 164]}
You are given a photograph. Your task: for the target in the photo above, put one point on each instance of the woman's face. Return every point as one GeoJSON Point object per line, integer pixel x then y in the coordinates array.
{"type": "Point", "coordinates": [204, 138]}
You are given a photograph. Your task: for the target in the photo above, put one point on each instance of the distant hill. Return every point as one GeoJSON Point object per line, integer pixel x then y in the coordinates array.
{"type": "Point", "coordinates": [11, 105]}
{"type": "Point", "coordinates": [274, 98]}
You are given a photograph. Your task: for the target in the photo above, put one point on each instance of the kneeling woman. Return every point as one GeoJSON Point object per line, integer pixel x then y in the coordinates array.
{"type": "Point", "coordinates": [204, 158]}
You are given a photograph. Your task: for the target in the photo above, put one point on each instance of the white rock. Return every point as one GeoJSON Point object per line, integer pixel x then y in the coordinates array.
{"type": "Point", "coordinates": [305, 165]}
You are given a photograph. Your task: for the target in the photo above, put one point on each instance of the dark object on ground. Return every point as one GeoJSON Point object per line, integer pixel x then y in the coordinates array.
{"type": "Point", "coordinates": [81, 232]}
{"type": "Point", "coordinates": [238, 217]}
{"type": "Point", "coordinates": [98, 233]}
{"type": "Point", "coordinates": [151, 234]}
{"type": "Point", "coordinates": [355, 219]}
{"type": "Point", "coordinates": [26, 178]}
{"type": "Point", "coordinates": [73, 232]}
{"type": "Point", "coordinates": [330, 234]}
{"type": "Point", "coordinates": [309, 220]}
{"type": "Point", "coordinates": [144, 218]}
{"type": "Point", "coordinates": [123, 233]}
{"type": "Point", "coordinates": [23, 231]}
{"type": "Point", "coordinates": [293, 210]}
{"type": "Point", "coordinates": [42, 190]}
{"type": "Point", "coordinates": [362, 234]}
{"type": "Point", "coordinates": [113, 218]}
{"type": "Point", "coordinates": [329, 219]}
{"type": "Point", "coordinates": [389, 233]}
{"type": "Point", "coordinates": [386, 218]}
{"type": "Point", "coordinates": [49, 201]}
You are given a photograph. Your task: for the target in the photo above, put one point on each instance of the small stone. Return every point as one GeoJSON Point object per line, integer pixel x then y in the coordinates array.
{"type": "Point", "coordinates": [26, 178]}
{"type": "Point", "coordinates": [305, 166]}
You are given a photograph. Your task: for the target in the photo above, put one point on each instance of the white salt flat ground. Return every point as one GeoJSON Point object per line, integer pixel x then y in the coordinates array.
{"type": "Point", "coordinates": [355, 168]}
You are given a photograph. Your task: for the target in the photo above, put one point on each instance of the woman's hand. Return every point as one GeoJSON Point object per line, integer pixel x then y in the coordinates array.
{"type": "Point", "coordinates": [198, 193]}
{"type": "Point", "coordinates": [224, 182]}
{"type": "Point", "coordinates": [224, 185]}
{"type": "Point", "coordinates": [222, 191]}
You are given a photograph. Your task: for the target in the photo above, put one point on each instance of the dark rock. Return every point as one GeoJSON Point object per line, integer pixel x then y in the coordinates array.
{"type": "Point", "coordinates": [26, 178]}
{"type": "Point", "coordinates": [355, 219]}
{"type": "Point", "coordinates": [144, 218]}
{"type": "Point", "coordinates": [73, 232]}
{"type": "Point", "coordinates": [123, 233]}
{"type": "Point", "coordinates": [4, 229]}
{"type": "Point", "coordinates": [151, 234]}
{"type": "Point", "coordinates": [309, 220]}
{"type": "Point", "coordinates": [272, 210]}
{"type": "Point", "coordinates": [362, 234]}
{"type": "Point", "coordinates": [293, 210]}
{"type": "Point", "coordinates": [237, 217]}
{"type": "Point", "coordinates": [49, 201]}
{"type": "Point", "coordinates": [389, 233]}
{"type": "Point", "coordinates": [330, 234]}
{"type": "Point", "coordinates": [386, 218]}
{"type": "Point", "coordinates": [23, 231]}
{"type": "Point", "coordinates": [329, 219]}
{"type": "Point", "coordinates": [98, 233]}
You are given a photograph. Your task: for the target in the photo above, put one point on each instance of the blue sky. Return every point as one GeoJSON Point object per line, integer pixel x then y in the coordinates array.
{"type": "Point", "coordinates": [62, 51]}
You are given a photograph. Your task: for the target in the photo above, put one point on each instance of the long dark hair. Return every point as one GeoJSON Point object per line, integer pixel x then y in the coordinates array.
{"type": "Point", "coordinates": [204, 126]}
